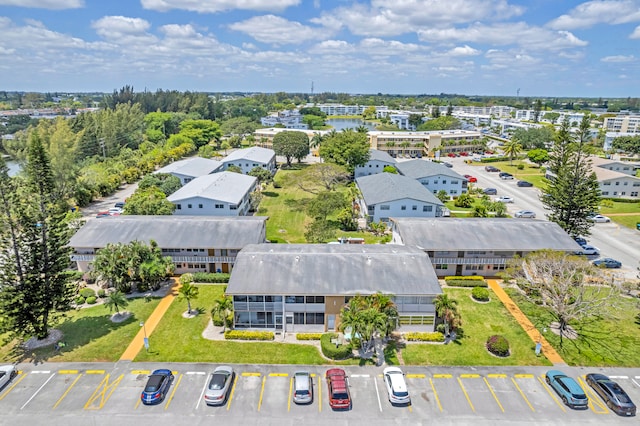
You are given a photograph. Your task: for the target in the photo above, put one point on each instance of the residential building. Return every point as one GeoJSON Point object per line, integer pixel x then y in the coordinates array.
{"type": "Point", "coordinates": [219, 194]}
{"type": "Point", "coordinates": [191, 168]}
{"type": "Point", "coordinates": [617, 179]}
{"type": "Point", "coordinates": [401, 119]}
{"type": "Point", "coordinates": [386, 195]}
{"type": "Point", "coordinates": [434, 176]}
{"type": "Point", "coordinates": [249, 158]}
{"type": "Point", "coordinates": [623, 124]}
{"type": "Point", "coordinates": [303, 287]}
{"type": "Point", "coordinates": [290, 119]}
{"type": "Point", "coordinates": [478, 246]}
{"type": "Point", "coordinates": [194, 243]}
{"type": "Point", "coordinates": [409, 144]}
{"type": "Point", "coordinates": [340, 109]}
{"type": "Point", "coordinates": [510, 125]}
{"type": "Point", "coordinates": [378, 160]}
{"type": "Point", "coordinates": [610, 136]}
{"type": "Point", "coordinates": [264, 137]}
{"type": "Point", "coordinates": [499, 111]}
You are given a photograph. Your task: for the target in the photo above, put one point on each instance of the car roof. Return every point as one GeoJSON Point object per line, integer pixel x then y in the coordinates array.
{"type": "Point", "coordinates": [154, 382]}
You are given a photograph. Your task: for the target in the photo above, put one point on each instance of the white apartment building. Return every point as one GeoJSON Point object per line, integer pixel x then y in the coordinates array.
{"type": "Point", "coordinates": [623, 124]}
{"type": "Point", "coordinates": [290, 119]}
{"type": "Point", "coordinates": [498, 111]}
{"type": "Point", "coordinates": [424, 143]}
{"type": "Point", "coordinates": [340, 109]}
{"type": "Point", "coordinates": [435, 177]}
{"type": "Point", "coordinates": [249, 158]}
{"type": "Point", "coordinates": [378, 160]}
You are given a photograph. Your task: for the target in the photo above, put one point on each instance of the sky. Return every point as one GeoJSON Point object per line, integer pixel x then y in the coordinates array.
{"type": "Point", "coordinates": [472, 47]}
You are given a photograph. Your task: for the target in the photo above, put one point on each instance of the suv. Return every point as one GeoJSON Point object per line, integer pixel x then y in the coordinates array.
{"type": "Point", "coordinates": [490, 191]}
{"type": "Point", "coordinates": [396, 386]}
{"type": "Point", "coordinates": [491, 169]}
{"type": "Point", "coordinates": [339, 398]}
{"type": "Point", "coordinates": [569, 390]}
{"type": "Point", "coordinates": [302, 388]}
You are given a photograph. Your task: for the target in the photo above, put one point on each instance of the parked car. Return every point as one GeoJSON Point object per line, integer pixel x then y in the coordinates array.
{"type": "Point", "coordinates": [471, 178]}
{"type": "Point", "coordinates": [600, 219]}
{"type": "Point", "coordinates": [396, 386]}
{"type": "Point", "coordinates": [7, 372]}
{"type": "Point", "coordinates": [524, 184]}
{"type": "Point", "coordinates": [581, 241]}
{"type": "Point", "coordinates": [490, 191]}
{"type": "Point", "coordinates": [612, 393]}
{"type": "Point", "coordinates": [302, 387]}
{"type": "Point", "coordinates": [567, 388]}
{"type": "Point", "coordinates": [119, 204]}
{"type": "Point", "coordinates": [506, 176]}
{"type": "Point", "coordinates": [219, 385]}
{"type": "Point", "coordinates": [588, 250]}
{"type": "Point", "coordinates": [607, 262]}
{"type": "Point", "coordinates": [491, 169]}
{"type": "Point", "coordinates": [525, 214]}
{"type": "Point", "coordinates": [157, 387]}
{"type": "Point", "coordinates": [504, 199]}
{"type": "Point", "coordinates": [449, 165]}
{"type": "Point", "coordinates": [338, 388]}
{"type": "Point", "coordinates": [115, 210]}
{"type": "Point", "coordinates": [103, 214]}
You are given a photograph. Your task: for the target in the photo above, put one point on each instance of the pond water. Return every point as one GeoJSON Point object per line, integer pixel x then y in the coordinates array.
{"type": "Point", "coordinates": [14, 167]}
{"type": "Point", "coordinates": [348, 123]}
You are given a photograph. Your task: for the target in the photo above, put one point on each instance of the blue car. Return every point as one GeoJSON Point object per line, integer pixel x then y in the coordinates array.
{"type": "Point", "coordinates": [568, 389]}
{"type": "Point", "coordinates": [157, 387]}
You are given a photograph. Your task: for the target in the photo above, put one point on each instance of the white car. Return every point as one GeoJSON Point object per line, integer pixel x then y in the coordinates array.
{"type": "Point", "coordinates": [504, 199]}
{"type": "Point", "coordinates": [396, 386]}
{"type": "Point", "coordinates": [525, 214]}
{"type": "Point", "coordinates": [588, 250]}
{"type": "Point", "coordinates": [7, 372]}
{"type": "Point", "coordinates": [600, 219]}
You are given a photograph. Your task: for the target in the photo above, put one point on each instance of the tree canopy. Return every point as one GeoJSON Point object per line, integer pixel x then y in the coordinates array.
{"type": "Point", "coordinates": [441, 122]}
{"type": "Point", "coordinates": [348, 148]}
{"type": "Point", "coordinates": [628, 144]}
{"type": "Point", "coordinates": [149, 201]}
{"type": "Point", "coordinates": [291, 144]}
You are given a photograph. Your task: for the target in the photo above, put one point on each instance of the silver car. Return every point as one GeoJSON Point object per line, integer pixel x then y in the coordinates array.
{"type": "Point", "coordinates": [396, 386]}
{"type": "Point", "coordinates": [525, 214]}
{"type": "Point", "coordinates": [302, 388]}
{"type": "Point", "coordinates": [7, 372]}
{"type": "Point", "coordinates": [219, 385]}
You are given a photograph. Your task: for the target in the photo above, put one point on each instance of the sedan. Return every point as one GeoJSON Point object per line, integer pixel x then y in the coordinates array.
{"type": "Point", "coordinates": [396, 386]}
{"type": "Point", "coordinates": [504, 199]}
{"type": "Point", "coordinates": [470, 178]}
{"type": "Point", "coordinates": [491, 169]}
{"type": "Point", "coordinates": [449, 165]}
{"type": "Point", "coordinates": [588, 250]}
{"type": "Point", "coordinates": [611, 392]}
{"type": "Point", "coordinates": [157, 387]}
{"type": "Point", "coordinates": [506, 176]}
{"type": "Point", "coordinates": [600, 219]}
{"type": "Point", "coordinates": [524, 184]}
{"type": "Point", "coordinates": [607, 262]}
{"type": "Point", "coordinates": [490, 191]}
{"type": "Point", "coordinates": [219, 385]}
{"type": "Point", "coordinates": [7, 372]}
{"type": "Point", "coordinates": [568, 389]}
{"type": "Point", "coordinates": [525, 214]}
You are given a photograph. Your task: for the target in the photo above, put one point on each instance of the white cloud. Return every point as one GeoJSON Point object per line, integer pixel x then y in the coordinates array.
{"type": "Point", "coordinates": [595, 12]}
{"type": "Point", "coordinates": [618, 58]}
{"type": "Point", "coordinates": [213, 6]}
{"type": "Point", "coordinates": [276, 30]}
{"type": "Point", "coordinates": [332, 47]}
{"type": "Point", "coordinates": [463, 51]}
{"type": "Point", "coordinates": [45, 4]}
{"type": "Point", "coordinates": [387, 47]}
{"type": "Point", "coordinates": [636, 33]}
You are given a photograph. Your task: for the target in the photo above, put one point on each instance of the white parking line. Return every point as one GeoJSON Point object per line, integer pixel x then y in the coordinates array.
{"type": "Point", "coordinates": [199, 373]}
{"type": "Point", "coordinates": [618, 377]}
{"type": "Point", "coordinates": [375, 382]}
{"type": "Point", "coordinates": [39, 389]}
{"type": "Point", "coordinates": [636, 383]}
{"type": "Point", "coordinates": [204, 388]}
{"type": "Point", "coordinates": [360, 375]}
{"type": "Point", "coordinates": [41, 372]}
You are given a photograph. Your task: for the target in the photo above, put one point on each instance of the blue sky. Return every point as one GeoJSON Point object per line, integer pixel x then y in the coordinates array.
{"type": "Point", "coordinates": [488, 47]}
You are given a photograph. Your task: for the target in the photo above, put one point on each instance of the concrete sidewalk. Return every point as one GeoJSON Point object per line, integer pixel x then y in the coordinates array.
{"type": "Point", "coordinates": [547, 350]}
{"type": "Point", "coordinates": [151, 323]}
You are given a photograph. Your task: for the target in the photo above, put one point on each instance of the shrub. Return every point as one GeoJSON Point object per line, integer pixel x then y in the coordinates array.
{"type": "Point", "coordinates": [87, 292]}
{"type": "Point", "coordinates": [102, 292]}
{"type": "Point", "coordinates": [480, 293]}
{"type": "Point", "coordinates": [77, 275]}
{"type": "Point", "coordinates": [217, 320]}
{"type": "Point", "coordinates": [520, 166]}
{"type": "Point", "coordinates": [470, 281]}
{"type": "Point", "coordinates": [79, 300]}
{"type": "Point", "coordinates": [88, 278]}
{"type": "Point", "coordinates": [425, 337]}
{"type": "Point", "coordinates": [91, 300]}
{"type": "Point", "coordinates": [249, 335]}
{"type": "Point", "coordinates": [330, 350]}
{"type": "Point", "coordinates": [210, 277]}
{"type": "Point", "coordinates": [498, 345]}
{"type": "Point", "coordinates": [308, 336]}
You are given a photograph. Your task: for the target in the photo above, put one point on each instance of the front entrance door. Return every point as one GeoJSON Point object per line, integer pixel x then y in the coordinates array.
{"type": "Point", "coordinates": [278, 321]}
{"type": "Point", "coordinates": [288, 322]}
{"type": "Point", "coordinates": [459, 270]}
{"type": "Point", "coordinates": [331, 322]}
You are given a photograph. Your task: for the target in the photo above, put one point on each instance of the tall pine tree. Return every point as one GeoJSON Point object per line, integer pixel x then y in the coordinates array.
{"type": "Point", "coordinates": [573, 192]}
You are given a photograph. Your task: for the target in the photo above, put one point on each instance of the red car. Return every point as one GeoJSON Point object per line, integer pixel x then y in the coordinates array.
{"type": "Point", "coordinates": [339, 397]}
{"type": "Point", "coordinates": [471, 178]}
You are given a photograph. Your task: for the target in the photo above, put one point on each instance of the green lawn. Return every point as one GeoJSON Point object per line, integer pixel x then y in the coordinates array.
{"type": "Point", "coordinates": [603, 341]}
{"type": "Point", "coordinates": [89, 335]}
{"type": "Point", "coordinates": [629, 213]}
{"type": "Point", "coordinates": [479, 321]}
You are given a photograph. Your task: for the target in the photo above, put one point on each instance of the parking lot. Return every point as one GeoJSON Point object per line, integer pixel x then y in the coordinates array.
{"type": "Point", "coordinates": [265, 392]}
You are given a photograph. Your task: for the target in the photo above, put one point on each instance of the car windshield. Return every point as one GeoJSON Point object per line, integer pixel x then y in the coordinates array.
{"type": "Point", "coordinates": [154, 383]}
{"type": "Point", "coordinates": [396, 393]}
{"type": "Point", "coordinates": [217, 381]}
{"type": "Point", "coordinates": [579, 396]}
{"type": "Point", "coordinates": [302, 392]}
{"type": "Point", "coordinates": [2, 373]}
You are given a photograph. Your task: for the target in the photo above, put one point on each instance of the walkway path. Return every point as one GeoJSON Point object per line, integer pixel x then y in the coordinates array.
{"type": "Point", "coordinates": [532, 331]}
{"type": "Point", "coordinates": [152, 322]}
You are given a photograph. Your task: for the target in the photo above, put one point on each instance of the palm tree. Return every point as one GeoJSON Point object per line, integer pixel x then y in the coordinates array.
{"type": "Point", "coordinates": [447, 309]}
{"type": "Point", "coordinates": [188, 292]}
{"type": "Point", "coordinates": [222, 307]}
{"type": "Point", "coordinates": [116, 300]}
{"type": "Point", "coordinates": [384, 304]}
{"type": "Point", "coordinates": [362, 129]}
{"type": "Point", "coordinates": [316, 140]}
{"type": "Point", "coordinates": [512, 149]}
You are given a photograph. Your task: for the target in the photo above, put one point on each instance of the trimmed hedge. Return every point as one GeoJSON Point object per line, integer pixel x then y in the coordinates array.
{"type": "Point", "coordinates": [331, 351]}
{"type": "Point", "coordinates": [210, 277]}
{"type": "Point", "coordinates": [498, 345]}
{"type": "Point", "coordinates": [87, 292]}
{"type": "Point", "coordinates": [248, 335]}
{"type": "Point", "coordinates": [308, 336]}
{"type": "Point", "coordinates": [424, 337]}
{"type": "Point", "coordinates": [80, 300]}
{"type": "Point", "coordinates": [480, 293]}
{"type": "Point", "coordinates": [102, 292]}
{"type": "Point", "coordinates": [91, 300]}
{"type": "Point", "coordinates": [468, 281]}
{"type": "Point", "coordinates": [493, 159]}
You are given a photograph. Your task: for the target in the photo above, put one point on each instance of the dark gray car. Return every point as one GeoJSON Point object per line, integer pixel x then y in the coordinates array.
{"type": "Point", "coordinates": [611, 392]}
{"type": "Point", "coordinates": [219, 385]}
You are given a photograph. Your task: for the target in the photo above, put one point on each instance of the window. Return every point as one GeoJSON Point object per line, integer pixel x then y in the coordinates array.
{"type": "Point", "coordinates": [606, 183]}
{"type": "Point", "coordinates": [256, 299]}
{"type": "Point", "coordinates": [219, 206]}
{"type": "Point", "coordinates": [427, 208]}
{"type": "Point", "coordinates": [189, 206]}
{"type": "Point", "coordinates": [179, 206]}
{"type": "Point", "coordinates": [499, 267]}
{"type": "Point", "coordinates": [617, 183]}
{"type": "Point", "coordinates": [240, 299]}
{"type": "Point", "coordinates": [199, 206]}
{"type": "Point", "coordinates": [273, 299]}
{"type": "Point", "coordinates": [403, 207]}
{"type": "Point", "coordinates": [444, 181]}
{"type": "Point", "coordinates": [314, 318]}
{"type": "Point", "coordinates": [414, 208]}
{"type": "Point", "coordinates": [636, 183]}
{"type": "Point", "coordinates": [442, 266]}
{"type": "Point", "coordinates": [473, 267]}
{"type": "Point", "coordinates": [294, 299]}
{"type": "Point", "coordinates": [453, 191]}
{"type": "Point", "coordinates": [605, 193]}
{"type": "Point", "coordinates": [315, 299]}
{"type": "Point", "coordinates": [454, 182]}
{"type": "Point", "coordinates": [384, 207]}
{"type": "Point", "coordinates": [633, 194]}
{"type": "Point", "coordinates": [233, 207]}
{"type": "Point", "coordinates": [626, 183]}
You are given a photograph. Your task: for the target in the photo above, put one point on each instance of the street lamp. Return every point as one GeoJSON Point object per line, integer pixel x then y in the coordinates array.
{"type": "Point", "coordinates": [146, 339]}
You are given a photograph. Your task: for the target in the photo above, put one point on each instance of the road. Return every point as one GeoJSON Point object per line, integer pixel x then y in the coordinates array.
{"type": "Point", "coordinates": [73, 394]}
{"type": "Point", "coordinates": [105, 203]}
{"type": "Point", "coordinates": [613, 240]}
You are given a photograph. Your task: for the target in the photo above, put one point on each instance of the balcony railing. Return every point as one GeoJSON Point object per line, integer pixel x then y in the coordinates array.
{"type": "Point", "coordinates": [469, 261]}
{"type": "Point", "coordinates": [187, 259]}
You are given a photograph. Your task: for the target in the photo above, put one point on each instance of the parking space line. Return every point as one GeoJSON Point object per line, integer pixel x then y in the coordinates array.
{"type": "Point", "coordinates": [137, 404]}
{"type": "Point", "coordinates": [67, 371]}
{"type": "Point", "coordinates": [594, 399]}
{"type": "Point", "coordinates": [67, 391]}
{"type": "Point", "coordinates": [442, 376]}
{"type": "Point", "coordinates": [264, 379]}
{"type": "Point", "coordinates": [233, 390]}
{"type": "Point", "coordinates": [198, 373]}
{"type": "Point", "coordinates": [494, 394]}
{"type": "Point", "coordinates": [204, 388]}
{"type": "Point", "coordinates": [375, 382]}
{"type": "Point", "coordinates": [522, 393]}
{"type": "Point", "coordinates": [436, 395]}
{"type": "Point", "coordinates": [6, 392]}
{"type": "Point", "coordinates": [469, 376]}
{"type": "Point", "coordinates": [103, 392]}
{"type": "Point", "coordinates": [319, 395]}
{"type": "Point", "coordinates": [94, 372]}
{"type": "Point", "coordinates": [361, 375]}
{"type": "Point", "coordinates": [636, 383]}
{"type": "Point", "coordinates": [416, 376]}
{"type": "Point", "coordinates": [497, 376]}
{"type": "Point", "coordinates": [251, 374]}
{"type": "Point", "coordinates": [637, 377]}
{"type": "Point", "coordinates": [618, 377]}
{"type": "Point", "coordinates": [38, 391]}
{"type": "Point", "coordinates": [548, 389]}
{"type": "Point", "coordinates": [278, 375]}
{"type": "Point", "coordinates": [523, 376]}
{"type": "Point", "coordinates": [173, 392]}
{"type": "Point", "coordinates": [138, 372]}
{"type": "Point", "coordinates": [466, 394]}
{"type": "Point", "coordinates": [41, 372]}
{"type": "Point", "coordinates": [290, 389]}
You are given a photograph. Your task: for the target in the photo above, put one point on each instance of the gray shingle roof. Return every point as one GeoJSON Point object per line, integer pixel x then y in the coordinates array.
{"type": "Point", "coordinates": [255, 153]}
{"type": "Point", "coordinates": [418, 169]}
{"type": "Point", "coordinates": [386, 187]}
{"type": "Point", "coordinates": [195, 167]}
{"type": "Point", "coordinates": [332, 269]}
{"type": "Point", "coordinates": [224, 186]}
{"type": "Point", "coordinates": [376, 154]}
{"type": "Point", "coordinates": [172, 231]}
{"type": "Point", "coordinates": [487, 234]}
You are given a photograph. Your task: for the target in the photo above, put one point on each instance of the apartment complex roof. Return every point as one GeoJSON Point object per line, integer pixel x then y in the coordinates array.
{"type": "Point", "coordinates": [224, 186]}
{"type": "Point", "coordinates": [377, 155]}
{"type": "Point", "coordinates": [255, 153]}
{"type": "Point", "coordinates": [418, 169]}
{"type": "Point", "coordinates": [195, 167]}
{"type": "Point", "coordinates": [386, 187]}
